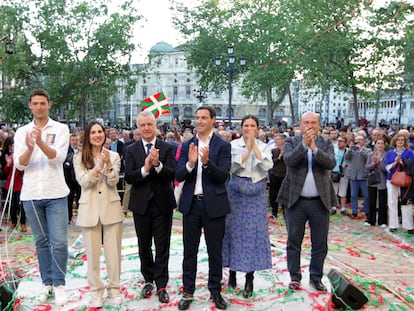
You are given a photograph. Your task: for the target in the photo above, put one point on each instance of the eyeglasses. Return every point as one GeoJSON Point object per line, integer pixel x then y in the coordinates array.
{"type": "Point", "coordinates": [400, 139]}
{"type": "Point", "coordinates": [341, 141]}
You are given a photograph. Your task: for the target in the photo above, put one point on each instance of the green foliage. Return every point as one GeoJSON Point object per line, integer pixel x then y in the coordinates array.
{"type": "Point", "coordinates": [77, 50]}
{"type": "Point", "coordinates": [343, 44]}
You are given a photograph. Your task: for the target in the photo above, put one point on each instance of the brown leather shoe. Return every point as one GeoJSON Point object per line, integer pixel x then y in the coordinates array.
{"type": "Point", "coordinates": [24, 229]}
{"type": "Point", "coordinates": [411, 231]}
{"type": "Point", "coordinates": [12, 227]}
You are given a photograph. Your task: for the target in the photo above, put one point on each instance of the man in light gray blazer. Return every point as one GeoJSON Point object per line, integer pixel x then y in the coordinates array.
{"type": "Point", "coordinates": [307, 192]}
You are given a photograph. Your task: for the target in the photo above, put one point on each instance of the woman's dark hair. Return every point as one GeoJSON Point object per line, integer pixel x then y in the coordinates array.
{"type": "Point", "coordinates": [249, 116]}
{"type": "Point", "coordinates": [87, 156]}
{"type": "Point", "coordinates": [9, 141]}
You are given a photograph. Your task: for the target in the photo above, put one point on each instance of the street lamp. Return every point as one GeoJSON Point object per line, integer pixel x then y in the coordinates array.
{"type": "Point", "coordinates": [230, 72]}
{"type": "Point", "coordinates": [9, 46]}
{"type": "Point", "coordinates": [401, 89]}
{"type": "Point", "coordinates": [201, 95]}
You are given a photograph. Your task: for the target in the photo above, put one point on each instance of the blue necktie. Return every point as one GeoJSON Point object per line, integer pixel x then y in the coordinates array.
{"type": "Point", "coordinates": [148, 148]}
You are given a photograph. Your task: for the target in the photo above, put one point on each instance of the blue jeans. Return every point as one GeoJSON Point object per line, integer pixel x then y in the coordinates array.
{"type": "Point", "coordinates": [49, 222]}
{"type": "Point", "coordinates": [355, 186]}
{"type": "Point", "coordinates": [296, 217]}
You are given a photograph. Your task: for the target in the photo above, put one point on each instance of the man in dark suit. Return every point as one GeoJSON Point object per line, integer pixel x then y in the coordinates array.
{"type": "Point", "coordinates": [70, 177]}
{"type": "Point", "coordinates": [149, 168]}
{"type": "Point", "coordinates": [118, 146]}
{"type": "Point", "coordinates": [308, 195]}
{"type": "Point", "coordinates": [204, 165]}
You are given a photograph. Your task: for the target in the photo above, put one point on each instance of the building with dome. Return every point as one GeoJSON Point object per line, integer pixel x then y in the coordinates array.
{"type": "Point", "coordinates": [167, 71]}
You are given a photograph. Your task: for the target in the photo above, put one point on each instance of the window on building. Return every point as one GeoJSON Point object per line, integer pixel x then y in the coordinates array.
{"type": "Point", "coordinates": [188, 112]}
{"type": "Point", "coordinates": [279, 113]}
{"type": "Point", "coordinates": [218, 111]}
{"type": "Point", "coordinates": [175, 92]}
{"type": "Point", "coordinates": [176, 112]}
{"type": "Point", "coordinates": [144, 92]}
{"type": "Point", "coordinates": [188, 92]}
{"type": "Point", "coordinates": [262, 113]}
{"type": "Point", "coordinates": [217, 93]}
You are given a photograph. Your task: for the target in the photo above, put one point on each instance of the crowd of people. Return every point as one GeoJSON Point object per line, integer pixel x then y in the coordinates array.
{"type": "Point", "coordinates": [227, 181]}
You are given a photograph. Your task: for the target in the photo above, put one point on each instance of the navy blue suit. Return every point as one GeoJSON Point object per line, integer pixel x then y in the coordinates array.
{"type": "Point", "coordinates": [208, 213]}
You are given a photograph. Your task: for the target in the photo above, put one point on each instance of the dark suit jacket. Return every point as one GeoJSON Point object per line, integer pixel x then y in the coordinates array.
{"type": "Point", "coordinates": [214, 177]}
{"type": "Point", "coordinates": [296, 160]}
{"type": "Point", "coordinates": [160, 185]}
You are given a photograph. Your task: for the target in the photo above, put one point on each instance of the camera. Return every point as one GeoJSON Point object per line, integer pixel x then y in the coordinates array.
{"type": "Point", "coordinates": [341, 171]}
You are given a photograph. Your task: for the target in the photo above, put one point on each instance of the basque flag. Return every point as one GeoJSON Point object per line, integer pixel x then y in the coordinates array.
{"type": "Point", "coordinates": [157, 103]}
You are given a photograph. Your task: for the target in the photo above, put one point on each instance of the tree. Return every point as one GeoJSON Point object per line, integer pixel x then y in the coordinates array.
{"type": "Point", "coordinates": [348, 45]}
{"type": "Point", "coordinates": [81, 50]}
{"type": "Point", "coordinates": [210, 27]}
{"type": "Point", "coordinates": [341, 45]}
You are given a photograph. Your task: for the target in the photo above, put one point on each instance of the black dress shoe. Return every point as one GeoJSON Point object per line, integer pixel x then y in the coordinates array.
{"type": "Point", "coordinates": [318, 285]}
{"type": "Point", "coordinates": [219, 301]}
{"type": "Point", "coordinates": [184, 303]}
{"type": "Point", "coordinates": [163, 296]}
{"type": "Point", "coordinates": [147, 289]}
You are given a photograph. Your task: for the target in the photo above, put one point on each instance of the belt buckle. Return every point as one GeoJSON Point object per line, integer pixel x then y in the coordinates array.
{"type": "Point", "coordinates": [199, 197]}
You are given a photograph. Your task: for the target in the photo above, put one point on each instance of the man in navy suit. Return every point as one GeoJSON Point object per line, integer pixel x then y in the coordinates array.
{"type": "Point", "coordinates": [308, 195]}
{"type": "Point", "coordinates": [204, 165]}
{"type": "Point", "coordinates": [149, 168]}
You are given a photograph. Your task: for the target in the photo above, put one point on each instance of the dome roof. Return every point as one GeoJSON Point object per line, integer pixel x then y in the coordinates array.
{"type": "Point", "coordinates": [162, 47]}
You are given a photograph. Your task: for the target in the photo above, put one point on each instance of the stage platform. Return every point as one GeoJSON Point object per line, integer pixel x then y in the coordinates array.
{"type": "Point", "coordinates": [270, 286]}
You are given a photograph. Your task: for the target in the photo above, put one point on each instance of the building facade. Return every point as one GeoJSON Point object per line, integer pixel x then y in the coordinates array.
{"type": "Point", "coordinates": [168, 72]}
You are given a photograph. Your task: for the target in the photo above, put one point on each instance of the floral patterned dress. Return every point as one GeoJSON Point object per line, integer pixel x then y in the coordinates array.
{"type": "Point", "coordinates": [246, 244]}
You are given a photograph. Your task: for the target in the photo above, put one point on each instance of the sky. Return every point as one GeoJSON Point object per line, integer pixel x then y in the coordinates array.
{"type": "Point", "coordinates": [158, 27]}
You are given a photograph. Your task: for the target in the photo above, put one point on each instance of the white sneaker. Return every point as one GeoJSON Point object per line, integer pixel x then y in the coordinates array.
{"type": "Point", "coordinates": [115, 300]}
{"type": "Point", "coordinates": [60, 295]}
{"type": "Point", "coordinates": [367, 224]}
{"type": "Point", "coordinates": [383, 226]}
{"type": "Point", "coordinates": [44, 293]}
{"type": "Point", "coordinates": [94, 301]}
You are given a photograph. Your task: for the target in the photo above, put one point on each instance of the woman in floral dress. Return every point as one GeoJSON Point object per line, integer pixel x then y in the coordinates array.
{"type": "Point", "coordinates": [246, 244]}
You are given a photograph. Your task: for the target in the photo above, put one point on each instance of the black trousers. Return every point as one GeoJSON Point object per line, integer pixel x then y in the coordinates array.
{"type": "Point", "coordinates": [154, 224]}
{"type": "Point", "coordinates": [275, 182]}
{"type": "Point", "coordinates": [196, 220]}
{"type": "Point", "coordinates": [373, 194]}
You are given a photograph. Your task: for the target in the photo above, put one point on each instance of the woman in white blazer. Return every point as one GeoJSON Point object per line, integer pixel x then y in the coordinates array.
{"type": "Point", "coordinates": [97, 172]}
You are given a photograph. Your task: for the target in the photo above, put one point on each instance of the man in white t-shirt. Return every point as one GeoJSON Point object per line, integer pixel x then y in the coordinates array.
{"type": "Point", "coordinates": [40, 149]}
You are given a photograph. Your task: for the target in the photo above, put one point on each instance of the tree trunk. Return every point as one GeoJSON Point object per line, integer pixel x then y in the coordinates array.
{"type": "Point", "coordinates": [356, 112]}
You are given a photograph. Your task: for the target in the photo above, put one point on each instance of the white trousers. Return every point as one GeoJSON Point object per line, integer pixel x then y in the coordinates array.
{"type": "Point", "coordinates": [393, 192]}
{"type": "Point", "coordinates": [92, 237]}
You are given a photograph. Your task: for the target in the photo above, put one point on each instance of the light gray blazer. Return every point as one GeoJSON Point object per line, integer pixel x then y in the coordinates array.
{"type": "Point", "coordinates": [356, 163]}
